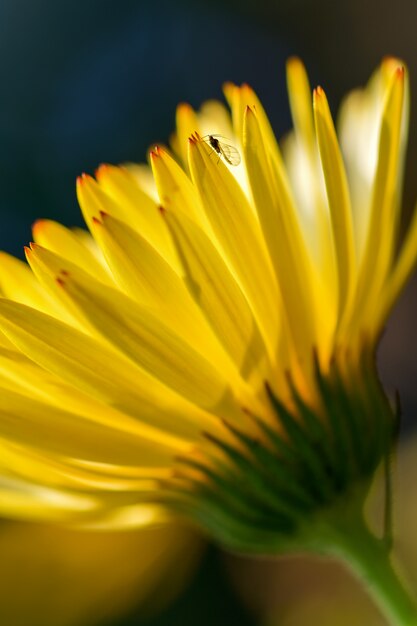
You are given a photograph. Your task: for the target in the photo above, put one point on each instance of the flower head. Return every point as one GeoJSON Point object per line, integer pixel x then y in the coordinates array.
{"type": "Point", "coordinates": [208, 347]}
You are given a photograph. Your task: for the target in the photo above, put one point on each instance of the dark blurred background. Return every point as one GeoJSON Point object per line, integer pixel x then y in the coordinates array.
{"type": "Point", "coordinates": [85, 82]}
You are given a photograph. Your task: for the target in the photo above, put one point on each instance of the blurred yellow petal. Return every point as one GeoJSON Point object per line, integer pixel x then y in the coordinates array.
{"type": "Point", "coordinates": [383, 221]}
{"type": "Point", "coordinates": [95, 577]}
{"type": "Point", "coordinates": [142, 173]}
{"type": "Point", "coordinates": [187, 124]}
{"type": "Point", "coordinates": [299, 93]}
{"type": "Point", "coordinates": [401, 272]}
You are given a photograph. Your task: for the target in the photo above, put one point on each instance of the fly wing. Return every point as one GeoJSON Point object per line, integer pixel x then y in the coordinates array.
{"type": "Point", "coordinates": [230, 154]}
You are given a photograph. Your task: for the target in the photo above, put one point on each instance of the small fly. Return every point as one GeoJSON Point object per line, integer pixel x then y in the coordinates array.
{"type": "Point", "coordinates": [229, 153]}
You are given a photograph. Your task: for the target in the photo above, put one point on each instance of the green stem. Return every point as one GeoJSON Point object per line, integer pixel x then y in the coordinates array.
{"type": "Point", "coordinates": [368, 558]}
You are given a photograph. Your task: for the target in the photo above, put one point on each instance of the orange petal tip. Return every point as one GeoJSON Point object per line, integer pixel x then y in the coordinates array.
{"type": "Point", "coordinates": [83, 178]}
{"type": "Point", "coordinates": [38, 224]}
{"type": "Point", "coordinates": [101, 169]}
{"type": "Point", "coordinates": [184, 107]}
{"type": "Point", "coordinates": [156, 152]}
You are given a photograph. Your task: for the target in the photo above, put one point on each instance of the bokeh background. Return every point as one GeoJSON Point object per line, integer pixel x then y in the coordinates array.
{"type": "Point", "coordinates": [91, 81]}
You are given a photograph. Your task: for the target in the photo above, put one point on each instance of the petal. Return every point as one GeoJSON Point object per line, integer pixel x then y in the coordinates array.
{"type": "Point", "coordinates": [61, 306]}
{"type": "Point", "coordinates": [140, 335]}
{"type": "Point", "coordinates": [238, 233]}
{"type": "Point", "coordinates": [359, 128]}
{"type": "Point", "coordinates": [99, 371]}
{"type": "Point", "coordinates": [219, 296]}
{"type": "Point", "coordinates": [19, 284]}
{"type": "Point", "coordinates": [282, 233]}
{"type": "Point", "coordinates": [22, 376]}
{"type": "Point", "coordinates": [142, 173]}
{"type": "Point", "coordinates": [46, 468]}
{"type": "Point", "coordinates": [301, 104]}
{"type": "Point", "coordinates": [128, 203]}
{"type": "Point", "coordinates": [338, 198]}
{"type": "Point", "coordinates": [305, 173]}
{"type": "Point", "coordinates": [383, 224]}
{"type": "Point", "coordinates": [401, 273]}
{"type": "Point", "coordinates": [175, 189]}
{"type": "Point", "coordinates": [186, 124]}
{"type": "Point", "coordinates": [59, 432]}
{"type": "Point", "coordinates": [194, 328]}
{"type": "Point", "coordinates": [67, 244]}
{"type": "Point", "coordinates": [22, 499]}
{"type": "Point", "coordinates": [214, 119]}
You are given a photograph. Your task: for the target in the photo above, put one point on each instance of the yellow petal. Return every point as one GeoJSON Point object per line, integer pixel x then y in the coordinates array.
{"type": "Point", "coordinates": [186, 125]}
{"type": "Point", "coordinates": [96, 577]}
{"type": "Point", "coordinates": [18, 283]}
{"type": "Point", "coordinates": [126, 202]}
{"type": "Point", "coordinates": [282, 233]}
{"type": "Point", "coordinates": [190, 322]}
{"type": "Point", "coordinates": [300, 102]}
{"type": "Point", "coordinates": [214, 119]}
{"type": "Point", "coordinates": [22, 376]}
{"type": "Point", "coordinates": [175, 189]}
{"type": "Point", "coordinates": [219, 296]}
{"type": "Point", "coordinates": [238, 233]}
{"type": "Point", "coordinates": [401, 273]}
{"type": "Point", "coordinates": [67, 244]}
{"type": "Point", "coordinates": [339, 200]}
{"type": "Point", "coordinates": [383, 223]}
{"type": "Point", "coordinates": [140, 335]}
{"type": "Point", "coordinates": [99, 371]}
{"type": "Point", "coordinates": [61, 306]}
{"type": "Point", "coordinates": [142, 173]}
{"type": "Point", "coordinates": [40, 425]}
{"type": "Point", "coordinates": [22, 499]}
{"type": "Point", "coordinates": [44, 467]}
{"type": "Point", "coordinates": [147, 278]}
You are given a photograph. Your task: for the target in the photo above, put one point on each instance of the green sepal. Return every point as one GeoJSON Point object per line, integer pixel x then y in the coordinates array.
{"type": "Point", "coordinates": [263, 491]}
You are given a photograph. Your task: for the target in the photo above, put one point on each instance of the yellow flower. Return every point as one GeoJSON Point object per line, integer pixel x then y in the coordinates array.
{"type": "Point", "coordinates": [195, 306]}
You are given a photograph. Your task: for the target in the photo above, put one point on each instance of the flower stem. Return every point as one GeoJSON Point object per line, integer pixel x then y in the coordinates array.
{"type": "Point", "coordinates": [368, 557]}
